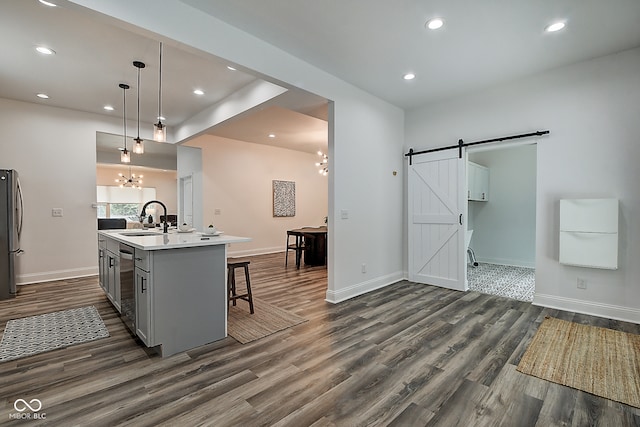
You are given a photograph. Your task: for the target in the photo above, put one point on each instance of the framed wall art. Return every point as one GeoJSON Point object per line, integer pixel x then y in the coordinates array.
{"type": "Point", "coordinates": [284, 198]}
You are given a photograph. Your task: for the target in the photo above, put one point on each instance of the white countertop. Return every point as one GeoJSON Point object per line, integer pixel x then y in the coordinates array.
{"type": "Point", "coordinates": [154, 240]}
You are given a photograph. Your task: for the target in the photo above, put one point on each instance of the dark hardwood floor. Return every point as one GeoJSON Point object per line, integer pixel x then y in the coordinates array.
{"type": "Point", "coordinates": [405, 355]}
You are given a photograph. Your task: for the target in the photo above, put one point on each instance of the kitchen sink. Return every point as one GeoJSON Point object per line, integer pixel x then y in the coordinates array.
{"type": "Point", "coordinates": [140, 234]}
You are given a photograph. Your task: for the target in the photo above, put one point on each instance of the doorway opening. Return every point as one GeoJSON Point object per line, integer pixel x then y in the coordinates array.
{"type": "Point", "coordinates": [501, 225]}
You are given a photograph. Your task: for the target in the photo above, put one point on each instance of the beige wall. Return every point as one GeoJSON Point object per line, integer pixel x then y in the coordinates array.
{"type": "Point", "coordinates": [238, 181]}
{"type": "Point", "coordinates": [165, 183]}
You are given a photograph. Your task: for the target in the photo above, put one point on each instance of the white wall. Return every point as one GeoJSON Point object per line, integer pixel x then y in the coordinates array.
{"type": "Point", "coordinates": [54, 151]}
{"type": "Point", "coordinates": [504, 228]}
{"type": "Point", "coordinates": [165, 184]}
{"type": "Point", "coordinates": [237, 180]}
{"type": "Point", "coordinates": [365, 140]}
{"type": "Point", "coordinates": [592, 110]}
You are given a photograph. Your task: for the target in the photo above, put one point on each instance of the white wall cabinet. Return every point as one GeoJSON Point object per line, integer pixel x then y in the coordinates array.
{"type": "Point", "coordinates": [477, 182]}
{"type": "Point", "coordinates": [589, 233]}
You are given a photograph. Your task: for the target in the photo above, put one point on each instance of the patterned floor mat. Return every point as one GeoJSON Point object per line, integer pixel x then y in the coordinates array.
{"type": "Point", "coordinates": [503, 280]}
{"type": "Point", "coordinates": [37, 334]}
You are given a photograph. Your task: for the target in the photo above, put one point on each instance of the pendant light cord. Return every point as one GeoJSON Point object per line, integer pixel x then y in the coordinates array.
{"type": "Point", "coordinates": [160, 87]}
{"type": "Point", "coordinates": [124, 114]}
{"type": "Point", "coordinates": [138, 138]}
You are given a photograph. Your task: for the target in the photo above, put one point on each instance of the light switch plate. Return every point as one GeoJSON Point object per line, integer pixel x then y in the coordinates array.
{"type": "Point", "coordinates": [344, 214]}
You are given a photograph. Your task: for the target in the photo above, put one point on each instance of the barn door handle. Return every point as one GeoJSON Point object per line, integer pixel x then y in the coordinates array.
{"type": "Point", "coordinates": [460, 219]}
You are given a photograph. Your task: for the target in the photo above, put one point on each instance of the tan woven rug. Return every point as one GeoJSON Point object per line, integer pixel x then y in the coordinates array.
{"type": "Point", "coordinates": [267, 319]}
{"type": "Point", "coordinates": [600, 361]}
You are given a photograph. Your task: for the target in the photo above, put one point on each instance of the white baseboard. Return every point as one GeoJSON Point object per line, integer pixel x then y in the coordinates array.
{"type": "Point", "coordinates": [616, 312]}
{"type": "Point", "coordinates": [363, 287]}
{"type": "Point", "coordinates": [259, 251]}
{"type": "Point", "coordinates": [509, 262]}
{"type": "Point", "coordinates": [49, 276]}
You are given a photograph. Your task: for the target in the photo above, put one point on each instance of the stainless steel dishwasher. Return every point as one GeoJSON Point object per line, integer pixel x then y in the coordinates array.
{"type": "Point", "coordinates": [127, 287]}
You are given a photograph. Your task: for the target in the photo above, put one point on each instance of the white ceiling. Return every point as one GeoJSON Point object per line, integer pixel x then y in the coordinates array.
{"type": "Point", "coordinates": [93, 57]}
{"type": "Point", "coordinates": [373, 43]}
{"type": "Point", "coordinates": [370, 43]}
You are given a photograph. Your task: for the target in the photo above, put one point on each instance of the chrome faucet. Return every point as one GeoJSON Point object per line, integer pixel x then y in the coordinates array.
{"type": "Point", "coordinates": [143, 214]}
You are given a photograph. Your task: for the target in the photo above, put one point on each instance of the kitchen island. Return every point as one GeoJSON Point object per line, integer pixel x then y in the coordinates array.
{"type": "Point", "coordinates": [169, 288]}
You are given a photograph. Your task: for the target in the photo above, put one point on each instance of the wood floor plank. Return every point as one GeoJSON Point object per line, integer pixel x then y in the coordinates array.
{"type": "Point", "coordinates": [405, 355]}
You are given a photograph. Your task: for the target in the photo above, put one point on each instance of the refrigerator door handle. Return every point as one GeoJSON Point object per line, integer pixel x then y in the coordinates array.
{"type": "Point", "coordinates": [19, 194]}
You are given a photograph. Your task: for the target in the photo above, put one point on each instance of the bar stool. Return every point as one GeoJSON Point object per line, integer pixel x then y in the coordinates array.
{"type": "Point", "coordinates": [232, 264]}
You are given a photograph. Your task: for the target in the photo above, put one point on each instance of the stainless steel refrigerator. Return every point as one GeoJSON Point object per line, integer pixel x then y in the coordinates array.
{"type": "Point", "coordinates": [11, 216]}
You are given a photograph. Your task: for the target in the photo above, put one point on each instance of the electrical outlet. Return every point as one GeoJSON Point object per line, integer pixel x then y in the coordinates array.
{"type": "Point", "coordinates": [217, 211]}
{"type": "Point", "coordinates": [56, 212]}
{"type": "Point", "coordinates": [344, 214]}
{"type": "Point", "coordinates": [364, 268]}
{"type": "Point", "coordinates": [582, 283]}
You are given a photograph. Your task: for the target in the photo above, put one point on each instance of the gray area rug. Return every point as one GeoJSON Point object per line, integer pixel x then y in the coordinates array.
{"type": "Point", "coordinates": [267, 319]}
{"type": "Point", "coordinates": [37, 334]}
{"type": "Point", "coordinates": [503, 280]}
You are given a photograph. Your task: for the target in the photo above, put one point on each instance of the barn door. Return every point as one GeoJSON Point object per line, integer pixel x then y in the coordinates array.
{"type": "Point", "coordinates": [436, 190]}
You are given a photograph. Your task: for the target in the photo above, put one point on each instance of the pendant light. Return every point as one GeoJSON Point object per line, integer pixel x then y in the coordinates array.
{"type": "Point", "coordinates": [125, 156]}
{"type": "Point", "coordinates": [160, 129]}
{"type": "Point", "coordinates": [138, 147]}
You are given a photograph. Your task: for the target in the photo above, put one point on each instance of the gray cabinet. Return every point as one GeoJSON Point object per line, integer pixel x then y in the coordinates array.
{"type": "Point", "coordinates": [477, 182]}
{"type": "Point", "coordinates": [143, 309]}
{"type": "Point", "coordinates": [102, 263]}
{"type": "Point", "coordinates": [143, 291]}
{"type": "Point", "coordinates": [110, 270]}
{"type": "Point", "coordinates": [178, 294]}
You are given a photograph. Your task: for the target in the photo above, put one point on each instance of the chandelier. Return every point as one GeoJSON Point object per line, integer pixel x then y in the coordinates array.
{"type": "Point", "coordinates": [133, 180]}
{"type": "Point", "coordinates": [323, 165]}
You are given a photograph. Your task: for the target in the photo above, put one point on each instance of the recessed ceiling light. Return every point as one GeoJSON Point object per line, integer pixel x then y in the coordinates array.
{"type": "Point", "coordinates": [231, 68]}
{"type": "Point", "coordinates": [42, 95]}
{"type": "Point", "coordinates": [409, 76]}
{"type": "Point", "coordinates": [271, 135]}
{"type": "Point", "coordinates": [434, 23]}
{"type": "Point", "coordinates": [556, 26]}
{"type": "Point", "coordinates": [45, 50]}
{"type": "Point", "coordinates": [198, 92]}
{"type": "Point", "coordinates": [47, 3]}
{"type": "Point", "coordinates": [108, 107]}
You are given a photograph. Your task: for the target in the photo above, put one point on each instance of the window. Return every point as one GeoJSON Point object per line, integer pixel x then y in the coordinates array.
{"type": "Point", "coordinates": [102, 210]}
{"type": "Point", "coordinates": [116, 202]}
{"type": "Point", "coordinates": [124, 210]}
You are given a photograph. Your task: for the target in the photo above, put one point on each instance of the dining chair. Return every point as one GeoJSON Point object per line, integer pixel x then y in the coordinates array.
{"type": "Point", "coordinates": [298, 246]}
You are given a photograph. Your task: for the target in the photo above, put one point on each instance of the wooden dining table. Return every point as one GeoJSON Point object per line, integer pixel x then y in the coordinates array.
{"type": "Point", "coordinates": [315, 242]}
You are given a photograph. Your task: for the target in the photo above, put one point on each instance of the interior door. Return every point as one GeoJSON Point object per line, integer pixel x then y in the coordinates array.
{"type": "Point", "coordinates": [186, 200]}
{"type": "Point", "coordinates": [436, 198]}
